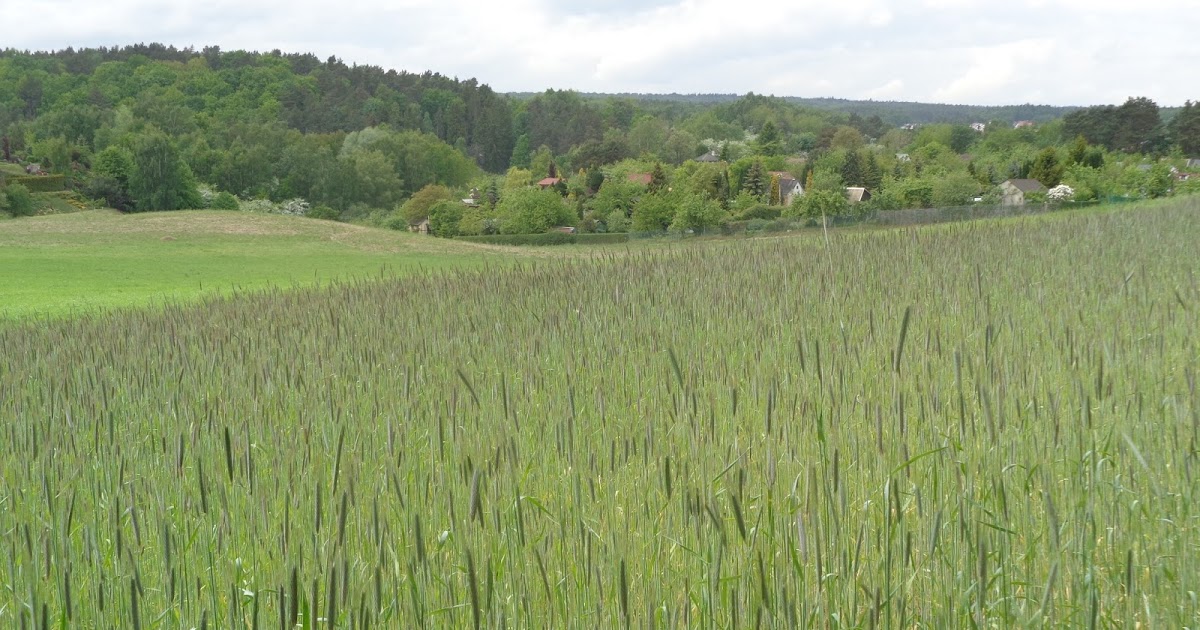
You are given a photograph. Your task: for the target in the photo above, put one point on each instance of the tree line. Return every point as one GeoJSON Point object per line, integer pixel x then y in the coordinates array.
{"type": "Point", "coordinates": [153, 127]}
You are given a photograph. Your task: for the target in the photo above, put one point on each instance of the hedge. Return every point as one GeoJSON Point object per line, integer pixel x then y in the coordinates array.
{"type": "Point", "coordinates": [547, 238]}
{"type": "Point", "coordinates": [40, 183]}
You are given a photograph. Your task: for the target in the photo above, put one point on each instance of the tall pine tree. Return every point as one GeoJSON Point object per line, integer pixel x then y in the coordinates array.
{"type": "Point", "coordinates": [755, 181]}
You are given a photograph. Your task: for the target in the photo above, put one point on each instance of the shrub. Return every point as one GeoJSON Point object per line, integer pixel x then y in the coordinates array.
{"type": "Point", "coordinates": [444, 217]}
{"type": "Point", "coordinates": [325, 213]}
{"type": "Point", "coordinates": [1060, 193]}
{"type": "Point", "coordinates": [531, 211]}
{"type": "Point", "coordinates": [41, 183]}
{"type": "Point", "coordinates": [546, 238]}
{"type": "Point", "coordinates": [757, 225]}
{"type": "Point", "coordinates": [223, 201]}
{"type": "Point", "coordinates": [760, 211]}
{"type": "Point", "coordinates": [258, 205]}
{"type": "Point", "coordinates": [295, 207]}
{"type": "Point", "coordinates": [19, 201]}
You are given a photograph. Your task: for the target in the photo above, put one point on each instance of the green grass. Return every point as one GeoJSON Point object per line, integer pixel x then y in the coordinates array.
{"type": "Point", "coordinates": [989, 424]}
{"type": "Point", "coordinates": [71, 263]}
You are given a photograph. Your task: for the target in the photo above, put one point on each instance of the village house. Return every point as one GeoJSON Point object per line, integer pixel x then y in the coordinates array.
{"type": "Point", "coordinates": [858, 194]}
{"type": "Point", "coordinates": [549, 181]}
{"type": "Point", "coordinates": [789, 187]}
{"type": "Point", "coordinates": [1013, 191]}
{"type": "Point", "coordinates": [710, 157]}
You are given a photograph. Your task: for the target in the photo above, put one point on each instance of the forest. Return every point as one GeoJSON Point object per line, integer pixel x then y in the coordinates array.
{"type": "Point", "coordinates": [153, 127]}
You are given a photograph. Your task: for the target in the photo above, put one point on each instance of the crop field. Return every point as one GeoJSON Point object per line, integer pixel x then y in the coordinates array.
{"type": "Point", "coordinates": [65, 264]}
{"type": "Point", "coordinates": [991, 424]}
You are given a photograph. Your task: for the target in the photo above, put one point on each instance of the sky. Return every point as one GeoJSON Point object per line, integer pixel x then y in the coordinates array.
{"type": "Point", "coordinates": [979, 52]}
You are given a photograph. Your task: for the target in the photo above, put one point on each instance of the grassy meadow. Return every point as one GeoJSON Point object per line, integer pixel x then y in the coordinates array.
{"type": "Point", "coordinates": [990, 424]}
{"type": "Point", "coordinates": [65, 264]}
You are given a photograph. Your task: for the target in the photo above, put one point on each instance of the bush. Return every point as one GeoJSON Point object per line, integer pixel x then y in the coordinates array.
{"type": "Point", "coordinates": [19, 201]}
{"type": "Point", "coordinates": [532, 211]}
{"type": "Point", "coordinates": [444, 217]}
{"type": "Point", "coordinates": [546, 238]}
{"type": "Point", "coordinates": [258, 205]}
{"type": "Point", "coordinates": [223, 201]}
{"type": "Point", "coordinates": [325, 213]}
{"type": "Point", "coordinates": [760, 211]}
{"type": "Point", "coordinates": [41, 183]}
{"type": "Point", "coordinates": [757, 225]}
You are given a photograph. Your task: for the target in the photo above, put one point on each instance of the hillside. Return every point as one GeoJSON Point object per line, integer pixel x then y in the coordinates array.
{"type": "Point", "coordinates": [73, 263]}
{"type": "Point", "coordinates": [894, 113]}
{"type": "Point", "coordinates": [153, 128]}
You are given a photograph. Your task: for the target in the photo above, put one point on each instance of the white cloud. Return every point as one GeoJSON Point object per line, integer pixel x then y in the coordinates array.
{"type": "Point", "coordinates": [971, 51]}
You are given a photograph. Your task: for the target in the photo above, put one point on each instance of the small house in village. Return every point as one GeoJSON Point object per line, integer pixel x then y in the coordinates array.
{"type": "Point", "coordinates": [420, 228]}
{"type": "Point", "coordinates": [858, 194]}
{"type": "Point", "coordinates": [710, 157]}
{"type": "Point", "coordinates": [549, 182]}
{"type": "Point", "coordinates": [1013, 191]}
{"type": "Point", "coordinates": [1023, 124]}
{"type": "Point", "coordinates": [789, 187]}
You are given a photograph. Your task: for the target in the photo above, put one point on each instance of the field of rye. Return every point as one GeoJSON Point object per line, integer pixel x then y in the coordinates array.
{"type": "Point", "coordinates": [990, 424]}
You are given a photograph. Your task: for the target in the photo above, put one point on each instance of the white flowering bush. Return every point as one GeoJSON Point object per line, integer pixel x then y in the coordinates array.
{"type": "Point", "coordinates": [207, 194]}
{"type": "Point", "coordinates": [296, 207]}
{"type": "Point", "coordinates": [264, 206]}
{"type": "Point", "coordinates": [1061, 192]}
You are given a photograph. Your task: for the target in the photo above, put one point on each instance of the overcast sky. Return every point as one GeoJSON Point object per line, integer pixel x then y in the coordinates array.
{"type": "Point", "coordinates": [1060, 52]}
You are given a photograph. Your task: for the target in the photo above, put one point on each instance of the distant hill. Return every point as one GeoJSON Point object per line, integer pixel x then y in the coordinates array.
{"type": "Point", "coordinates": [895, 113]}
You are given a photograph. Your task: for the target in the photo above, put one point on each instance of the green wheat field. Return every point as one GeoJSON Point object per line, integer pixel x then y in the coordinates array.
{"type": "Point", "coordinates": [991, 424]}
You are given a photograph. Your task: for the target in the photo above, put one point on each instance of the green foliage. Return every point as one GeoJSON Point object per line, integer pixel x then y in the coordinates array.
{"type": "Point", "coordinates": [756, 182]}
{"type": "Point", "coordinates": [41, 183]}
{"type": "Point", "coordinates": [1159, 180]}
{"type": "Point", "coordinates": [1047, 168]}
{"type": "Point", "coordinates": [548, 238]}
{"type": "Point", "coordinates": [852, 170]}
{"type": "Point", "coordinates": [695, 213]}
{"type": "Point", "coordinates": [323, 212]}
{"type": "Point", "coordinates": [224, 201]}
{"type": "Point", "coordinates": [1185, 129]}
{"type": "Point", "coordinates": [759, 211]}
{"type": "Point", "coordinates": [17, 200]}
{"type": "Point", "coordinates": [819, 203]}
{"type": "Point", "coordinates": [654, 213]}
{"type": "Point", "coordinates": [616, 197]}
{"type": "Point", "coordinates": [160, 179]}
{"type": "Point", "coordinates": [768, 142]}
{"type": "Point", "coordinates": [444, 217]}
{"type": "Point", "coordinates": [1133, 127]}
{"type": "Point", "coordinates": [416, 209]}
{"type": "Point", "coordinates": [531, 211]}
{"type": "Point", "coordinates": [954, 190]}
{"type": "Point", "coordinates": [541, 238]}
